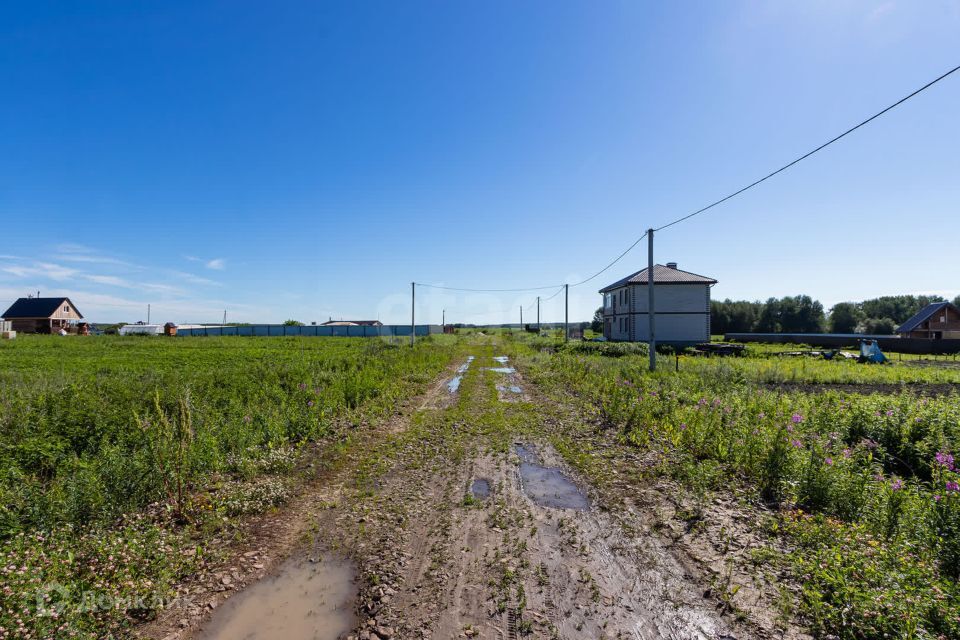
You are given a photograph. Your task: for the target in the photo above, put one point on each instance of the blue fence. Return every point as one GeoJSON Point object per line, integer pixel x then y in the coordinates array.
{"type": "Point", "coordinates": [279, 330]}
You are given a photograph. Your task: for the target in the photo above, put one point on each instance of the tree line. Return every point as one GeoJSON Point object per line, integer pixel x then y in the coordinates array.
{"type": "Point", "coordinates": [802, 314]}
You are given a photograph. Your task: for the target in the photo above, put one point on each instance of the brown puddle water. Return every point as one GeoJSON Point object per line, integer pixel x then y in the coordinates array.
{"type": "Point", "coordinates": [303, 601]}
{"type": "Point", "coordinates": [548, 486]}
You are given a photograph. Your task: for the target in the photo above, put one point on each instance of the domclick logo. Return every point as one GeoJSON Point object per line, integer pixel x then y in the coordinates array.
{"type": "Point", "coordinates": [54, 600]}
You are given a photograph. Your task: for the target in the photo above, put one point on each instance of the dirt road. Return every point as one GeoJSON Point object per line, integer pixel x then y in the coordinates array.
{"type": "Point", "coordinates": [464, 521]}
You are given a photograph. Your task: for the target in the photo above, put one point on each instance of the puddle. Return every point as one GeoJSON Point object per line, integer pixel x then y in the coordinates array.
{"type": "Point", "coordinates": [548, 486]}
{"type": "Point", "coordinates": [501, 359]}
{"type": "Point", "coordinates": [304, 601]}
{"type": "Point", "coordinates": [507, 370]}
{"type": "Point", "coordinates": [480, 488]}
{"type": "Point", "coordinates": [466, 365]}
{"type": "Point", "coordinates": [454, 384]}
{"type": "Point", "coordinates": [511, 388]}
{"type": "Point", "coordinates": [527, 452]}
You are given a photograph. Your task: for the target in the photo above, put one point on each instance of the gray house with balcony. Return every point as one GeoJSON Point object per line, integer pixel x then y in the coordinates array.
{"type": "Point", "coordinates": [681, 305]}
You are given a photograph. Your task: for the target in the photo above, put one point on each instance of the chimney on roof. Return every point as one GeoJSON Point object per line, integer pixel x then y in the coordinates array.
{"type": "Point", "coordinates": [671, 265]}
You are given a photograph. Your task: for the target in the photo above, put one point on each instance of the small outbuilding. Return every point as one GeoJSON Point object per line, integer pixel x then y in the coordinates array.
{"type": "Point", "coordinates": [681, 307]}
{"type": "Point", "coordinates": [142, 329]}
{"type": "Point", "coordinates": [937, 321]}
{"type": "Point", "coordinates": [352, 323]}
{"type": "Point", "coordinates": [43, 315]}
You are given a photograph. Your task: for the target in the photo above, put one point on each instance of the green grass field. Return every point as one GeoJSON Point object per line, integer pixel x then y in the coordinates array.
{"type": "Point", "coordinates": [122, 458]}
{"type": "Point", "coordinates": [864, 486]}
{"type": "Point", "coordinates": [109, 445]}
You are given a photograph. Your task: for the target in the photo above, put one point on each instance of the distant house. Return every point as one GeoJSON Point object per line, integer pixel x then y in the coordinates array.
{"type": "Point", "coordinates": [681, 306]}
{"type": "Point", "coordinates": [352, 323]}
{"type": "Point", "coordinates": [934, 322]}
{"type": "Point", "coordinates": [43, 315]}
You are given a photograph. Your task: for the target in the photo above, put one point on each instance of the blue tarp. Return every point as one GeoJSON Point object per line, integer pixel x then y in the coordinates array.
{"type": "Point", "coordinates": [870, 352]}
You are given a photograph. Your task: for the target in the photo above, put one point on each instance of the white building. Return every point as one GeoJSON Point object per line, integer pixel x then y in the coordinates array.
{"type": "Point", "coordinates": [147, 329]}
{"type": "Point", "coordinates": [681, 307]}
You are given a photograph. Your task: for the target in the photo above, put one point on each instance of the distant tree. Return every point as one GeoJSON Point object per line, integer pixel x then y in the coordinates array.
{"type": "Point", "coordinates": [956, 301]}
{"type": "Point", "coordinates": [791, 314]}
{"type": "Point", "coordinates": [878, 326]}
{"type": "Point", "coordinates": [743, 315]}
{"type": "Point", "coordinates": [292, 323]}
{"type": "Point", "coordinates": [807, 316]}
{"type": "Point", "coordinates": [720, 316]}
{"type": "Point", "coordinates": [896, 308]}
{"type": "Point", "coordinates": [733, 316]}
{"type": "Point", "coordinates": [768, 320]}
{"type": "Point", "coordinates": [844, 317]}
{"type": "Point", "coordinates": [597, 325]}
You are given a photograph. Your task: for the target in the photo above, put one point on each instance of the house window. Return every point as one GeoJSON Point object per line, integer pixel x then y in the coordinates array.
{"type": "Point", "coordinates": [66, 308]}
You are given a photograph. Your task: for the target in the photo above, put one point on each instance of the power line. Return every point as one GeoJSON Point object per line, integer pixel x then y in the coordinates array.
{"type": "Point", "coordinates": [616, 260]}
{"type": "Point", "coordinates": [436, 286]}
{"type": "Point", "coordinates": [810, 153]}
{"type": "Point", "coordinates": [556, 293]}
{"type": "Point", "coordinates": [717, 202]}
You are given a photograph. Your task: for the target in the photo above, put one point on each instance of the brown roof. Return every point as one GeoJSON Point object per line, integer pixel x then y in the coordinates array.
{"type": "Point", "coordinates": [661, 275]}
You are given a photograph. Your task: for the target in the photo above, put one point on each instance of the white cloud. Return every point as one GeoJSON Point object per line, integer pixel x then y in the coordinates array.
{"type": "Point", "coordinates": [47, 270]}
{"type": "Point", "coordinates": [113, 281]}
{"type": "Point", "coordinates": [217, 264]}
{"type": "Point", "coordinates": [101, 307]}
{"type": "Point", "coordinates": [115, 290]}
{"type": "Point", "coordinates": [73, 247]}
{"type": "Point", "coordinates": [189, 277]}
{"type": "Point", "coordinates": [91, 259]}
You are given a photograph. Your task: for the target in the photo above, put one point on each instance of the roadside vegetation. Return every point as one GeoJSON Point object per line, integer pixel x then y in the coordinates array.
{"type": "Point", "coordinates": [802, 314]}
{"type": "Point", "coordinates": [864, 488]}
{"type": "Point", "coordinates": [120, 457]}
{"type": "Point", "coordinates": [125, 462]}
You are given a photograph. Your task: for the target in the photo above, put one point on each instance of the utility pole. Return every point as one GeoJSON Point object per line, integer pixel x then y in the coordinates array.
{"type": "Point", "coordinates": [444, 318]}
{"type": "Point", "coordinates": [224, 317]}
{"type": "Point", "coordinates": [413, 312]}
{"type": "Point", "coordinates": [148, 313]}
{"type": "Point", "coordinates": [566, 312]}
{"type": "Point", "coordinates": [538, 314]}
{"type": "Point", "coordinates": [521, 317]}
{"type": "Point", "coordinates": [651, 307]}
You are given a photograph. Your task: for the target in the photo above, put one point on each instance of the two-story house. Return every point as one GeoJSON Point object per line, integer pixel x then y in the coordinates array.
{"type": "Point", "coordinates": [681, 307]}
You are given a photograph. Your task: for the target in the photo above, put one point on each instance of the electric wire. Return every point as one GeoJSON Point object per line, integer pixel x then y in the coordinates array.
{"type": "Point", "coordinates": [716, 202]}
{"type": "Point", "coordinates": [810, 153]}
{"type": "Point", "coordinates": [437, 286]}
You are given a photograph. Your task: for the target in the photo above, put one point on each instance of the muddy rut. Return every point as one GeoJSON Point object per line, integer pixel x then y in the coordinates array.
{"type": "Point", "coordinates": [466, 523]}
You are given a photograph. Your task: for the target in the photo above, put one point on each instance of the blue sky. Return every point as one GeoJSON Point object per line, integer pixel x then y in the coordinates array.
{"type": "Point", "coordinates": [309, 159]}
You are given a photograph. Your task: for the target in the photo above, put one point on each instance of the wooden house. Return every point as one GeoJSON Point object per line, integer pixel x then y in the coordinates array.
{"type": "Point", "coordinates": [935, 321]}
{"type": "Point", "coordinates": [43, 315]}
